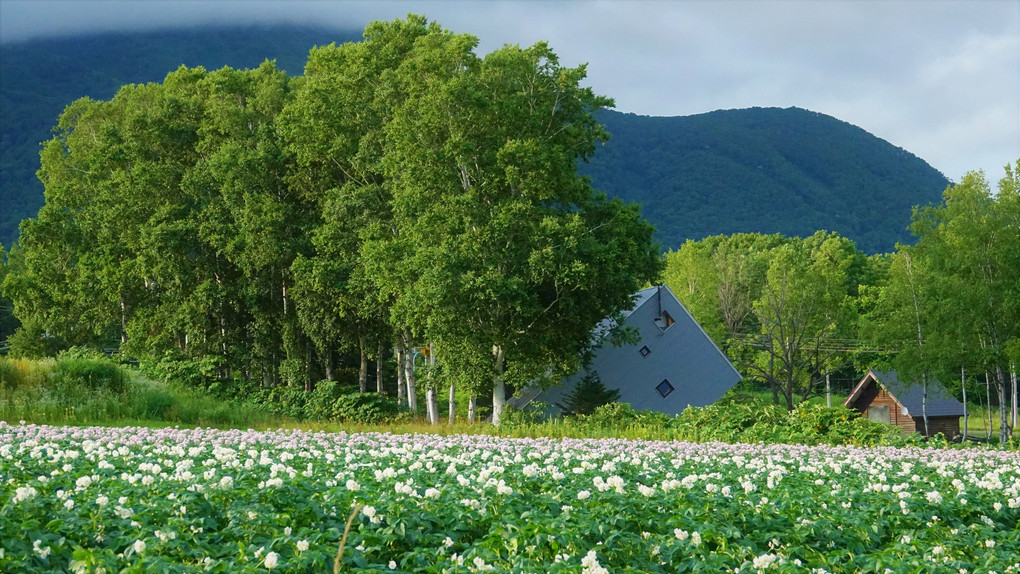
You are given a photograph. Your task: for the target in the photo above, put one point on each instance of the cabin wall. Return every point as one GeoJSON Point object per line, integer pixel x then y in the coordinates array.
{"type": "Point", "coordinates": [880, 397]}
{"type": "Point", "coordinates": [948, 426]}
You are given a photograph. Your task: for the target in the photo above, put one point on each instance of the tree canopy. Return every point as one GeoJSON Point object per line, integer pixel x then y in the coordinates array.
{"type": "Point", "coordinates": [403, 188]}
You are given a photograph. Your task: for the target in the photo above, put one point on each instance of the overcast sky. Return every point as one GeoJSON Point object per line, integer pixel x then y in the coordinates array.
{"type": "Point", "coordinates": [938, 78]}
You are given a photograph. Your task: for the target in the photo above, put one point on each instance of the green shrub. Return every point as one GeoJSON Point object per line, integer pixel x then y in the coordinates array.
{"type": "Point", "coordinates": [76, 374]}
{"type": "Point", "coordinates": [588, 395]}
{"type": "Point", "coordinates": [319, 404]}
{"type": "Point", "coordinates": [196, 373]}
{"type": "Point", "coordinates": [366, 408]}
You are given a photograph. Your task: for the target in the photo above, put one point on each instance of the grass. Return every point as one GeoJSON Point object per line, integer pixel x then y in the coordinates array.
{"type": "Point", "coordinates": [89, 392]}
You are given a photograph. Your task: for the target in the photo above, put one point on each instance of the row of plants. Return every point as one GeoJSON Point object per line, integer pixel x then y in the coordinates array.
{"type": "Point", "coordinates": [87, 499]}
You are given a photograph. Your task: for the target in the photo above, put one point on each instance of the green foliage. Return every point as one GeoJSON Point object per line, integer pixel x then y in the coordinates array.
{"type": "Point", "coordinates": [364, 408]}
{"type": "Point", "coordinates": [96, 373]}
{"type": "Point", "coordinates": [194, 373]}
{"type": "Point", "coordinates": [81, 387]}
{"type": "Point", "coordinates": [588, 395]}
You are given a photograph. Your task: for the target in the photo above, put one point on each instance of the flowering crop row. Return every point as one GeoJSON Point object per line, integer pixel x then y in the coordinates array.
{"type": "Point", "coordinates": [172, 500]}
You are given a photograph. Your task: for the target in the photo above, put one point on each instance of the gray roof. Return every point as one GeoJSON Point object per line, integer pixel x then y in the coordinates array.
{"type": "Point", "coordinates": [940, 402]}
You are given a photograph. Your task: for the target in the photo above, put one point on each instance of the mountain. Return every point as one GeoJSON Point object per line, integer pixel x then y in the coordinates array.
{"type": "Point", "coordinates": [788, 171]}
{"type": "Point", "coordinates": [768, 170]}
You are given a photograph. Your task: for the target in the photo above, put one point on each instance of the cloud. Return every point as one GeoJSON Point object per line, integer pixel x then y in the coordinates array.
{"type": "Point", "coordinates": [940, 79]}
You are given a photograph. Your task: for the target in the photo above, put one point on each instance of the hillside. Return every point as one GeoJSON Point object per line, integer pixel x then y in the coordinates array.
{"type": "Point", "coordinates": [768, 170]}
{"type": "Point", "coordinates": [787, 171]}
{"type": "Point", "coordinates": [39, 78]}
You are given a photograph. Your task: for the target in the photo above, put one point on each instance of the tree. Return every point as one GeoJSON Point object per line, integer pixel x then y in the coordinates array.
{"type": "Point", "coordinates": [969, 243]}
{"type": "Point", "coordinates": [503, 251]}
{"type": "Point", "coordinates": [588, 395]}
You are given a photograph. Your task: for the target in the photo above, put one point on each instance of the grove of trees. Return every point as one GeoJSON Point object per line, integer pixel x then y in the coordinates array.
{"type": "Point", "coordinates": [790, 311]}
{"type": "Point", "coordinates": [403, 192]}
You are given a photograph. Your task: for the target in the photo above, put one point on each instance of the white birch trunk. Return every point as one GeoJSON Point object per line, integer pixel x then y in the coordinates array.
{"type": "Point", "coordinates": [498, 388]}
{"type": "Point", "coordinates": [409, 378]}
{"type": "Point", "coordinates": [453, 404]}
{"type": "Point", "coordinates": [363, 368]}
{"type": "Point", "coordinates": [431, 398]}
{"type": "Point", "coordinates": [924, 403]}
{"type": "Point", "coordinates": [472, 409]}
{"type": "Point", "coordinates": [399, 353]}
{"type": "Point", "coordinates": [966, 411]}
{"type": "Point", "coordinates": [378, 369]}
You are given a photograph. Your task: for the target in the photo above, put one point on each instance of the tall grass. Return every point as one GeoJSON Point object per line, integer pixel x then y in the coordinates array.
{"type": "Point", "coordinates": [92, 390]}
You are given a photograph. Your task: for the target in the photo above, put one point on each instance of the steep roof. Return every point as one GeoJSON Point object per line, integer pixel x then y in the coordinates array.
{"type": "Point", "coordinates": [940, 402]}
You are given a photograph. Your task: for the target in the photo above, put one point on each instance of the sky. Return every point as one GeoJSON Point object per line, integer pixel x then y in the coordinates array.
{"type": "Point", "coordinates": [939, 78]}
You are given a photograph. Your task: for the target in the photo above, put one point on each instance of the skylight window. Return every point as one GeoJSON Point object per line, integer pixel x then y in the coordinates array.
{"type": "Point", "coordinates": [665, 388]}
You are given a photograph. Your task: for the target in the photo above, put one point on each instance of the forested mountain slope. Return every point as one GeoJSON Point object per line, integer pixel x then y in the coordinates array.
{"type": "Point", "coordinates": [39, 78]}
{"type": "Point", "coordinates": [768, 170]}
{"type": "Point", "coordinates": [789, 171]}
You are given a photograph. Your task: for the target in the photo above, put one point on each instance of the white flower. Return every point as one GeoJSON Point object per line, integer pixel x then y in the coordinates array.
{"type": "Point", "coordinates": [138, 546]}
{"type": "Point", "coordinates": [431, 493]}
{"type": "Point", "coordinates": [681, 534]}
{"type": "Point", "coordinates": [591, 564]}
{"type": "Point", "coordinates": [764, 561]}
{"type": "Point", "coordinates": [368, 511]}
{"type": "Point", "coordinates": [696, 538]}
{"type": "Point", "coordinates": [392, 565]}
{"type": "Point", "coordinates": [101, 500]}
{"type": "Point", "coordinates": [353, 485]}
{"type": "Point", "coordinates": [24, 493]}
{"type": "Point", "coordinates": [302, 545]}
{"type": "Point", "coordinates": [583, 495]}
{"type": "Point", "coordinates": [989, 544]}
{"type": "Point", "coordinates": [272, 559]}
{"type": "Point", "coordinates": [69, 503]}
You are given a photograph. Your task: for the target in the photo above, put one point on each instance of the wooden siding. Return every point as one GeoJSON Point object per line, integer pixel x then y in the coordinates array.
{"type": "Point", "coordinates": [948, 426]}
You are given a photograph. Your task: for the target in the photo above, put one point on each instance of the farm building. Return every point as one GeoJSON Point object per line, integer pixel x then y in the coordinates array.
{"type": "Point", "coordinates": [882, 397]}
{"type": "Point", "coordinates": [674, 363]}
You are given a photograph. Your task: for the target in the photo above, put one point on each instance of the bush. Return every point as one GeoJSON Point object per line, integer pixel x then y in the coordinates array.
{"type": "Point", "coordinates": [588, 395]}
{"type": "Point", "coordinates": [196, 373]}
{"type": "Point", "coordinates": [77, 372]}
{"type": "Point", "coordinates": [366, 408]}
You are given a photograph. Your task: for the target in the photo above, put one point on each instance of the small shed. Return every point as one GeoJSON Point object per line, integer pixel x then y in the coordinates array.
{"type": "Point", "coordinates": [673, 364]}
{"type": "Point", "coordinates": [882, 397]}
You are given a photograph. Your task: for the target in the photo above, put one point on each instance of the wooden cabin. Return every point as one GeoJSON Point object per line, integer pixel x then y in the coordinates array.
{"type": "Point", "coordinates": [882, 397]}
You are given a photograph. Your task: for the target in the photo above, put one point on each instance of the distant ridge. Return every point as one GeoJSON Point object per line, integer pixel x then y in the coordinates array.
{"type": "Point", "coordinates": [769, 170]}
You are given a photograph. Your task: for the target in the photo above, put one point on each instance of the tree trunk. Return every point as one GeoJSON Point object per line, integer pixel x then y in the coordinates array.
{"type": "Point", "coordinates": [1016, 415]}
{"type": "Point", "coordinates": [308, 367]}
{"type": "Point", "coordinates": [966, 409]}
{"type": "Point", "coordinates": [472, 409]}
{"type": "Point", "coordinates": [1000, 390]}
{"type": "Point", "coordinates": [431, 398]}
{"type": "Point", "coordinates": [988, 408]}
{"type": "Point", "coordinates": [378, 369]}
{"type": "Point", "coordinates": [828, 391]}
{"type": "Point", "coordinates": [924, 402]}
{"type": "Point", "coordinates": [498, 387]}
{"type": "Point", "coordinates": [409, 378]}
{"type": "Point", "coordinates": [123, 319]}
{"type": "Point", "coordinates": [328, 364]}
{"type": "Point", "coordinates": [363, 370]}
{"type": "Point", "coordinates": [453, 405]}
{"type": "Point", "coordinates": [399, 355]}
